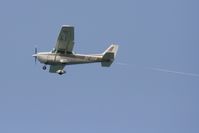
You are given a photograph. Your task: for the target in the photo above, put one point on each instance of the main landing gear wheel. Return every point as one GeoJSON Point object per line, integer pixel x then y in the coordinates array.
{"type": "Point", "coordinates": [60, 73]}
{"type": "Point", "coordinates": [44, 67]}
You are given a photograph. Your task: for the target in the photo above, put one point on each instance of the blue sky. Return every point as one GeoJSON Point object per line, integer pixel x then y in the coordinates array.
{"type": "Point", "coordinates": [133, 95]}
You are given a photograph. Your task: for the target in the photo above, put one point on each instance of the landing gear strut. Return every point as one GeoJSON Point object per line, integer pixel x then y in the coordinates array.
{"type": "Point", "coordinates": [44, 67]}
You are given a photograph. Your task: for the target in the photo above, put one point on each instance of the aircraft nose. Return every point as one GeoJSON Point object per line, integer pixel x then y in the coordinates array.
{"type": "Point", "coordinates": [41, 57]}
{"type": "Point", "coordinates": [34, 55]}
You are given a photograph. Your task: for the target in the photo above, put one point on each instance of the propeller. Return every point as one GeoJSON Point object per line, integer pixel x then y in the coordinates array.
{"type": "Point", "coordinates": [35, 55]}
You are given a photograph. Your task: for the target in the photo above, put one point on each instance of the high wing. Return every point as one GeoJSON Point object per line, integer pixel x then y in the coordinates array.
{"type": "Point", "coordinates": [56, 68]}
{"type": "Point", "coordinates": [65, 41]}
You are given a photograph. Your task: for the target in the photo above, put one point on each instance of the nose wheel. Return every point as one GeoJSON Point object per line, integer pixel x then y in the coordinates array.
{"type": "Point", "coordinates": [44, 67]}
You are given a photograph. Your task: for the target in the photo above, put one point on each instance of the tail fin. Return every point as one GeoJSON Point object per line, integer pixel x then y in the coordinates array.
{"type": "Point", "coordinates": [109, 55]}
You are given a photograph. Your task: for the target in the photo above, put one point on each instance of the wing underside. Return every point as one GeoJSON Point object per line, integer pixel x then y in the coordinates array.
{"type": "Point", "coordinates": [65, 41]}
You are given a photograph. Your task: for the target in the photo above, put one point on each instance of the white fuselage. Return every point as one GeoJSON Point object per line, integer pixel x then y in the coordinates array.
{"type": "Point", "coordinates": [50, 58]}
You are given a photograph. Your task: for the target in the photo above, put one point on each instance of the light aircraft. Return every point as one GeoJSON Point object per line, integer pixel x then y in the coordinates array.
{"type": "Point", "coordinates": [63, 54]}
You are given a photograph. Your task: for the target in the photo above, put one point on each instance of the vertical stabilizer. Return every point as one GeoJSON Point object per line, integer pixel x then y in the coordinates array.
{"type": "Point", "coordinates": [109, 55]}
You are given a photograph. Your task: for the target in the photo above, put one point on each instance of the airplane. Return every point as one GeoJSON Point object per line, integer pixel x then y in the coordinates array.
{"type": "Point", "coordinates": [63, 54]}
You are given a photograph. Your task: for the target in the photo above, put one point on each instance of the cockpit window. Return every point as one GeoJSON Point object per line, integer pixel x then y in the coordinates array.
{"type": "Point", "coordinates": [54, 50]}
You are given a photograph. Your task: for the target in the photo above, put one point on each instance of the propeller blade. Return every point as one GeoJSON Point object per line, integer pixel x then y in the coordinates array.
{"type": "Point", "coordinates": [35, 50]}
{"type": "Point", "coordinates": [35, 54]}
{"type": "Point", "coordinates": [35, 59]}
